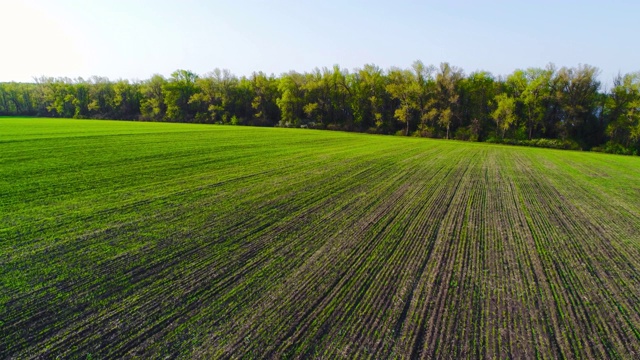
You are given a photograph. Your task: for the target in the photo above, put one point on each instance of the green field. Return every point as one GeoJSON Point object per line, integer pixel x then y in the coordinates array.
{"type": "Point", "coordinates": [123, 239]}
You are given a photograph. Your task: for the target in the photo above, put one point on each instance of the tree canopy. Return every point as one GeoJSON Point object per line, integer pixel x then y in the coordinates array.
{"type": "Point", "coordinates": [565, 107]}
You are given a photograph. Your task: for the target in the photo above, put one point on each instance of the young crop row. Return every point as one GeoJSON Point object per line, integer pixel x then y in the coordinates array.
{"type": "Point", "coordinates": [211, 242]}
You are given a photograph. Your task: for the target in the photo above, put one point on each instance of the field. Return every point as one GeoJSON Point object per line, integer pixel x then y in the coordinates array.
{"type": "Point", "coordinates": [124, 239]}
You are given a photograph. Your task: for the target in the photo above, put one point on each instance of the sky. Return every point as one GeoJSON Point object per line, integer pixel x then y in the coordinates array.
{"type": "Point", "coordinates": [134, 39]}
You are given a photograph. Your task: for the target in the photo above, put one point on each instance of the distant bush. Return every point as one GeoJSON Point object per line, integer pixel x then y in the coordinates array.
{"type": "Point", "coordinates": [541, 143]}
{"type": "Point", "coordinates": [553, 144]}
{"type": "Point", "coordinates": [615, 148]}
{"type": "Point", "coordinates": [464, 133]}
{"type": "Point", "coordinates": [286, 124]}
{"type": "Point", "coordinates": [426, 131]}
{"type": "Point", "coordinates": [236, 121]}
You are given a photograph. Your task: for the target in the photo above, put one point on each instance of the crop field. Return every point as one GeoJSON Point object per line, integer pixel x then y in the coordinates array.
{"type": "Point", "coordinates": [126, 239]}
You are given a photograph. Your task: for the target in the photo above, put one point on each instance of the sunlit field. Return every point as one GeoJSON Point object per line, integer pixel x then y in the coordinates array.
{"type": "Point", "coordinates": [122, 239]}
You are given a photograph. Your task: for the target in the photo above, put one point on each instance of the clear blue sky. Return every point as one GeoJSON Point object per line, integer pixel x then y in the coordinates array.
{"type": "Point", "coordinates": [135, 39]}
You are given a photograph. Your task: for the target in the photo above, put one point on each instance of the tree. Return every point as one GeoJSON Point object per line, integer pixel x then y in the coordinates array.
{"type": "Point", "coordinates": [401, 87]}
{"type": "Point", "coordinates": [423, 100]}
{"type": "Point", "coordinates": [339, 93]}
{"type": "Point", "coordinates": [207, 100]}
{"type": "Point", "coordinates": [536, 96]}
{"type": "Point", "coordinates": [18, 99]}
{"type": "Point", "coordinates": [443, 107]}
{"type": "Point", "coordinates": [504, 114]}
{"type": "Point", "coordinates": [369, 96]}
{"type": "Point", "coordinates": [58, 95]}
{"type": "Point", "coordinates": [101, 97]}
{"type": "Point", "coordinates": [4, 103]}
{"type": "Point", "coordinates": [265, 94]}
{"type": "Point", "coordinates": [177, 92]}
{"type": "Point", "coordinates": [622, 109]}
{"type": "Point", "coordinates": [424, 91]}
{"type": "Point", "coordinates": [152, 105]}
{"type": "Point", "coordinates": [577, 96]}
{"type": "Point", "coordinates": [531, 90]}
{"type": "Point", "coordinates": [476, 93]}
{"type": "Point", "coordinates": [291, 99]}
{"type": "Point", "coordinates": [317, 101]}
{"type": "Point", "coordinates": [126, 100]}
{"type": "Point", "coordinates": [80, 97]}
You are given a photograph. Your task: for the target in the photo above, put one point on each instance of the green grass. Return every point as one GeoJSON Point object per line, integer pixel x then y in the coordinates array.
{"type": "Point", "coordinates": [122, 239]}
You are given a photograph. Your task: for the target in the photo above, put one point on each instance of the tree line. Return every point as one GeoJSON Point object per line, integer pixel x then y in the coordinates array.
{"type": "Point", "coordinates": [551, 107]}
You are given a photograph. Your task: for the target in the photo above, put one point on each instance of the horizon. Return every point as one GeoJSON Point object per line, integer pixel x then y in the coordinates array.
{"type": "Point", "coordinates": [119, 40]}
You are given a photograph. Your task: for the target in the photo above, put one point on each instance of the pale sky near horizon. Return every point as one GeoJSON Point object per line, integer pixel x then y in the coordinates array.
{"type": "Point", "coordinates": [133, 39]}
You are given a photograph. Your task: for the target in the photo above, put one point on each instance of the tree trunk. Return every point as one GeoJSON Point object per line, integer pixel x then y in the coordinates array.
{"type": "Point", "coordinates": [530, 123]}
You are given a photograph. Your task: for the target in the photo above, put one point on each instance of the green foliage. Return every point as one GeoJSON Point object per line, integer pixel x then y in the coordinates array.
{"type": "Point", "coordinates": [622, 108]}
{"type": "Point", "coordinates": [613, 147]}
{"type": "Point", "coordinates": [290, 102]}
{"type": "Point", "coordinates": [424, 100]}
{"type": "Point", "coordinates": [577, 99]}
{"type": "Point", "coordinates": [504, 114]}
{"type": "Point", "coordinates": [369, 97]}
{"type": "Point", "coordinates": [177, 93]}
{"type": "Point", "coordinates": [265, 93]}
{"type": "Point", "coordinates": [403, 88]}
{"type": "Point", "coordinates": [541, 143]}
{"type": "Point", "coordinates": [152, 105]}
